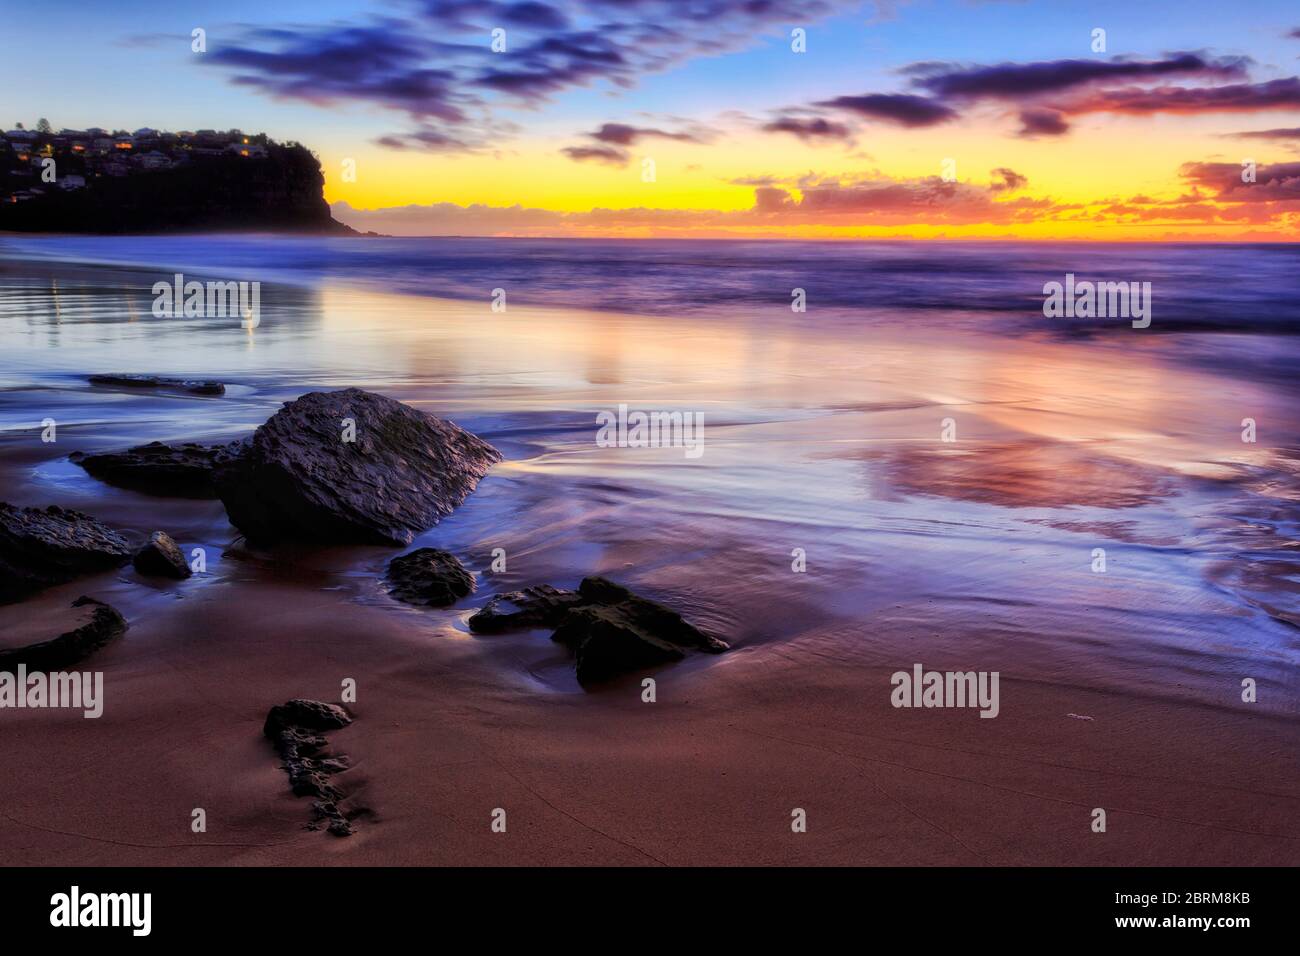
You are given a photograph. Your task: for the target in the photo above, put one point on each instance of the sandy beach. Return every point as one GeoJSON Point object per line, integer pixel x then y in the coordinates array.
{"type": "Point", "coordinates": [1120, 690]}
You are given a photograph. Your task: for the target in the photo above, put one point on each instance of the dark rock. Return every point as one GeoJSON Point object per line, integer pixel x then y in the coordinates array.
{"type": "Point", "coordinates": [179, 471]}
{"type": "Point", "coordinates": [614, 631]}
{"type": "Point", "coordinates": [649, 616]}
{"type": "Point", "coordinates": [157, 381]}
{"type": "Point", "coordinates": [162, 558]}
{"type": "Point", "coordinates": [43, 547]}
{"type": "Point", "coordinates": [539, 606]}
{"type": "Point", "coordinates": [98, 623]}
{"type": "Point", "coordinates": [608, 642]}
{"type": "Point", "coordinates": [429, 577]}
{"type": "Point", "coordinates": [298, 479]}
{"type": "Point", "coordinates": [296, 728]}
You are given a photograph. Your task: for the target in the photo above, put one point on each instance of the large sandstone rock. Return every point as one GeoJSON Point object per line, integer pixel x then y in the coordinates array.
{"type": "Point", "coordinates": [179, 471]}
{"type": "Point", "coordinates": [43, 547]}
{"type": "Point", "coordinates": [298, 478]}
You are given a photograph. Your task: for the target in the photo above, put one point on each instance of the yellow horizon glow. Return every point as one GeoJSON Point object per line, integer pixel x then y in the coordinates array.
{"type": "Point", "coordinates": [1087, 168]}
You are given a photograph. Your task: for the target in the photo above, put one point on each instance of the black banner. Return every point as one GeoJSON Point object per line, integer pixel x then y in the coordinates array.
{"type": "Point", "coordinates": [331, 905]}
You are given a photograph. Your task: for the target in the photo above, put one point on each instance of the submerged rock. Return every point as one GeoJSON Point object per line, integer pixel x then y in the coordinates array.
{"type": "Point", "coordinates": [296, 729]}
{"type": "Point", "coordinates": [539, 606]}
{"type": "Point", "coordinates": [161, 558]}
{"type": "Point", "coordinates": [159, 382]}
{"type": "Point", "coordinates": [43, 547]}
{"type": "Point", "coordinates": [180, 471]}
{"type": "Point", "coordinates": [429, 577]}
{"type": "Point", "coordinates": [350, 467]}
{"type": "Point", "coordinates": [96, 624]}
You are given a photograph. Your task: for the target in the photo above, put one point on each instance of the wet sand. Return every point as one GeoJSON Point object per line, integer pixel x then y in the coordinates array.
{"type": "Point", "coordinates": [823, 436]}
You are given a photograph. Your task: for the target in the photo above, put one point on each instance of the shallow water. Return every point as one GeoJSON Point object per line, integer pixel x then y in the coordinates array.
{"type": "Point", "coordinates": [823, 432]}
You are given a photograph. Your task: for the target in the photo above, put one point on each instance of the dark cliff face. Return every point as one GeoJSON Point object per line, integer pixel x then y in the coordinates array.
{"type": "Point", "coordinates": [281, 191]}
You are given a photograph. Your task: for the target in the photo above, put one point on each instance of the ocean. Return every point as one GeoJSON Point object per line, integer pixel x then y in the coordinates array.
{"type": "Point", "coordinates": [921, 469]}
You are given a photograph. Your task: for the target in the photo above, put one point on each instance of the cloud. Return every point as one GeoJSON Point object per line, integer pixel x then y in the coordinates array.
{"type": "Point", "coordinates": [612, 140]}
{"type": "Point", "coordinates": [620, 134]}
{"type": "Point", "coordinates": [808, 129]}
{"type": "Point", "coordinates": [904, 109]}
{"type": "Point", "coordinates": [1279, 182]}
{"type": "Point", "coordinates": [435, 64]}
{"type": "Point", "coordinates": [1042, 121]}
{"type": "Point", "coordinates": [1027, 80]}
{"type": "Point", "coordinates": [430, 140]}
{"type": "Point", "coordinates": [376, 64]}
{"type": "Point", "coordinates": [600, 154]}
{"type": "Point", "coordinates": [1006, 180]}
{"type": "Point", "coordinates": [1234, 98]}
{"type": "Point", "coordinates": [1290, 132]}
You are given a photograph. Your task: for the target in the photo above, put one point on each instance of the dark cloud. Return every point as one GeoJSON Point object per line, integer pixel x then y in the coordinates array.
{"type": "Point", "coordinates": [1291, 132]}
{"type": "Point", "coordinates": [620, 134]}
{"type": "Point", "coordinates": [1236, 97]}
{"type": "Point", "coordinates": [1279, 182]}
{"type": "Point", "coordinates": [430, 140]}
{"type": "Point", "coordinates": [930, 200]}
{"type": "Point", "coordinates": [808, 129]}
{"type": "Point", "coordinates": [377, 64]}
{"type": "Point", "coordinates": [435, 64]}
{"type": "Point", "coordinates": [1006, 180]}
{"type": "Point", "coordinates": [533, 15]}
{"type": "Point", "coordinates": [903, 109]}
{"type": "Point", "coordinates": [1042, 121]}
{"type": "Point", "coordinates": [1028, 80]}
{"type": "Point", "coordinates": [599, 154]}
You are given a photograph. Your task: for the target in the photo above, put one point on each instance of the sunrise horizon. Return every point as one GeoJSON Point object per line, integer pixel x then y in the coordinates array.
{"type": "Point", "coordinates": [815, 120]}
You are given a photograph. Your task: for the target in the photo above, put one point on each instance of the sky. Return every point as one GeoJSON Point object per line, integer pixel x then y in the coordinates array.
{"type": "Point", "coordinates": [715, 118]}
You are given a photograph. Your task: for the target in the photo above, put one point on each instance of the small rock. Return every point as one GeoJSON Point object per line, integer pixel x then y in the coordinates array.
{"type": "Point", "coordinates": [401, 471]}
{"type": "Point", "coordinates": [429, 577]}
{"type": "Point", "coordinates": [157, 381]}
{"type": "Point", "coordinates": [98, 623]}
{"type": "Point", "coordinates": [162, 558]}
{"type": "Point", "coordinates": [179, 471]}
{"type": "Point", "coordinates": [539, 606]}
{"type": "Point", "coordinates": [43, 547]}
